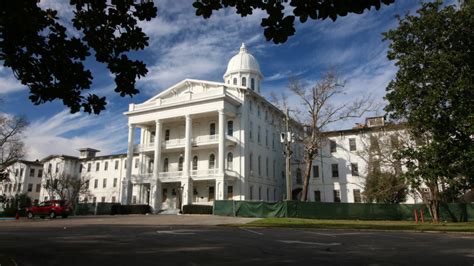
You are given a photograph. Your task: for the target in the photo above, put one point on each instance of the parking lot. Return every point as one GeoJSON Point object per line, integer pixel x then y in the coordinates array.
{"type": "Point", "coordinates": [196, 240]}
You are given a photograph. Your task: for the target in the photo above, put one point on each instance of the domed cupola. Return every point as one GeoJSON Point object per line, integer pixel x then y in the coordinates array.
{"type": "Point", "coordinates": [243, 70]}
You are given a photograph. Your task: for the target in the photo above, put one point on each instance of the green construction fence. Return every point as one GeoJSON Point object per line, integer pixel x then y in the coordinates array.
{"type": "Point", "coordinates": [353, 211]}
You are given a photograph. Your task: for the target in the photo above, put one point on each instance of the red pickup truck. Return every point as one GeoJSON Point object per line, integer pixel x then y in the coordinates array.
{"type": "Point", "coordinates": [51, 208]}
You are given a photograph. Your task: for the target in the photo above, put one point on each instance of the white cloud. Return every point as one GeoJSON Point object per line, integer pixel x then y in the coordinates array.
{"type": "Point", "coordinates": [8, 83]}
{"type": "Point", "coordinates": [59, 134]}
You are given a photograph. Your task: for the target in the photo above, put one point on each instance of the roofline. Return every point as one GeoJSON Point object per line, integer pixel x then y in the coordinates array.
{"type": "Point", "coordinates": [365, 129]}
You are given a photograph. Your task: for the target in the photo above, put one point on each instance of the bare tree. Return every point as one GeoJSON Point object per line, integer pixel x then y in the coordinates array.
{"type": "Point", "coordinates": [318, 109]}
{"type": "Point", "coordinates": [67, 187]}
{"type": "Point", "coordinates": [384, 180]}
{"type": "Point", "coordinates": [11, 144]}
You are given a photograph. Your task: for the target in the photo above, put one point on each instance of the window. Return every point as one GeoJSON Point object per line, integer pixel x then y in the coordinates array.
{"type": "Point", "coordinates": [251, 162]}
{"type": "Point", "coordinates": [32, 172]}
{"type": "Point", "coordinates": [113, 199]}
{"type": "Point", "coordinates": [273, 140]}
{"type": "Point", "coordinates": [136, 162]}
{"type": "Point", "coordinates": [115, 182]}
{"type": "Point", "coordinates": [274, 194]}
{"type": "Point", "coordinates": [19, 187]}
{"type": "Point", "coordinates": [40, 173]}
{"type": "Point", "coordinates": [259, 193]}
{"type": "Point", "coordinates": [94, 200]}
{"type": "Point", "coordinates": [30, 187]}
{"type": "Point", "coordinates": [167, 135]}
{"type": "Point", "coordinates": [80, 168]}
{"type": "Point", "coordinates": [38, 187]}
{"type": "Point", "coordinates": [268, 194]}
{"type": "Point", "coordinates": [274, 165]}
{"type": "Point", "coordinates": [251, 193]}
{"type": "Point", "coordinates": [258, 134]}
{"type": "Point", "coordinates": [333, 145]}
{"type": "Point", "coordinates": [352, 144]}
{"type": "Point", "coordinates": [357, 197]}
{"type": "Point", "coordinates": [211, 194]}
{"type": "Point", "coordinates": [230, 192]}
{"type": "Point", "coordinates": [244, 81]}
{"type": "Point", "coordinates": [97, 166]}
{"type": "Point", "coordinates": [299, 179]}
{"type": "Point", "coordinates": [212, 161]}
{"type": "Point", "coordinates": [266, 167]}
{"type": "Point", "coordinates": [337, 196]}
{"type": "Point", "coordinates": [106, 166]}
{"type": "Point", "coordinates": [234, 81]}
{"type": "Point", "coordinates": [89, 165]}
{"type": "Point", "coordinates": [317, 196]}
{"type": "Point", "coordinates": [134, 199]}
{"type": "Point", "coordinates": [354, 169]}
{"type": "Point", "coordinates": [152, 137]}
{"type": "Point", "coordinates": [250, 130]}
{"type": "Point", "coordinates": [195, 163]}
{"type": "Point", "coordinates": [116, 164]}
{"type": "Point", "coordinates": [165, 165]}
{"type": "Point", "coordinates": [103, 199]}
{"type": "Point", "coordinates": [259, 166]}
{"type": "Point", "coordinates": [180, 163]}
{"type": "Point", "coordinates": [335, 170]}
{"type": "Point", "coordinates": [315, 171]}
{"type": "Point", "coordinates": [212, 129]}
{"type": "Point", "coordinates": [50, 166]}
{"type": "Point", "coordinates": [252, 84]}
{"type": "Point", "coordinates": [96, 183]}
{"type": "Point", "coordinates": [230, 161]}
{"type": "Point", "coordinates": [104, 183]}
{"type": "Point", "coordinates": [230, 128]}
{"type": "Point", "coordinates": [258, 110]}
{"type": "Point", "coordinates": [16, 172]}
{"type": "Point", "coordinates": [266, 137]}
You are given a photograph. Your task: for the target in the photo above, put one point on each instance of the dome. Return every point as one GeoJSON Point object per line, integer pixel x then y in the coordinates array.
{"type": "Point", "coordinates": [243, 62]}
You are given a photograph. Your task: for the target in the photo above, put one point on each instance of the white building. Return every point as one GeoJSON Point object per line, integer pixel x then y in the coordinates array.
{"type": "Point", "coordinates": [205, 140]}
{"type": "Point", "coordinates": [339, 172]}
{"type": "Point", "coordinates": [22, 177]}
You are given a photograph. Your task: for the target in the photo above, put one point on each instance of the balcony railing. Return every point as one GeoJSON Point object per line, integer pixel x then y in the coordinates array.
{"type": "Point", "coordinates": [144, 147]}
{"type": "Point", "coordinates": [173, 143]}
{"type": "Point", "coordinates": [205, 139]}
{"type": "Point", "coordinates": [201, 173]}
{"type": "Point", "coordinates": [170, 175]}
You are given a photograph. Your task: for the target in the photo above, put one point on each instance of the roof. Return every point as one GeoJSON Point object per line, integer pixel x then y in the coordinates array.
{"type": "Point", "coordinates": [364, 129]}
{"type": "Point", "coordinates": [243, 62]}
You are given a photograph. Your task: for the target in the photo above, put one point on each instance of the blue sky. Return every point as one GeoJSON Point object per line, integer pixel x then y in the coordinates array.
{"type": "Point", "coordinates": [185, 46]}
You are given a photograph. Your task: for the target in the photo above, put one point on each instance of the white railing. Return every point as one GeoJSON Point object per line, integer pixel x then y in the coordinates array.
{"type": "Point", "coordinates": [144, 147]}
{"type": "Point", "coordinates": [204, 173]}
{"type": "Point", "coordinates": [169, 175]}
{"type": "Point", "coordinates": [206, 139]}
{"type": "Point", "coordinates": [173, 142]}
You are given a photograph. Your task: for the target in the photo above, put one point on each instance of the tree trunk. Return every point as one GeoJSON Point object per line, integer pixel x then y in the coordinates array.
{"type": "Point", "coordinates": [307, 173]}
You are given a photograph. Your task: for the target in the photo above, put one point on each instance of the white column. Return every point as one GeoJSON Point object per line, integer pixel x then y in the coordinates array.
{"type": "Point", "coordinates": [126, 192]}
{"type": "Point", "coordinates": [187, 183]}
{"type": "Point", "coordinates": [221, 157]}
{"type": "Point", "coordinates": [155, 187]}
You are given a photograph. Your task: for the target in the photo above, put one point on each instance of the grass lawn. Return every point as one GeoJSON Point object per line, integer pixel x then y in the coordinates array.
{"type": "Point", "coordinates": [356, 224]}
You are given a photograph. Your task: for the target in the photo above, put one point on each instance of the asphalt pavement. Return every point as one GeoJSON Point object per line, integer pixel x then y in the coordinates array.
{"type": "Point", "coordinates": [196, 240]}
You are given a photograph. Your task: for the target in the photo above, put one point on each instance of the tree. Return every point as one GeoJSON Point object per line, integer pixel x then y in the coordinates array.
{"type": "Point", "coordinates": [47, 56]}
{"type": "Point", "coordinates": [317, 110]}
{"type": "Point", "coordinates": [433, 91]}
{"type": "Point", "coordinates": [279, 23]}
{"type": "Point", "coordinates": [384, 182]}
{"type": "Point", "coordinates": [11, 144]}
{"type": "Point", "coordinates": [66, 187]}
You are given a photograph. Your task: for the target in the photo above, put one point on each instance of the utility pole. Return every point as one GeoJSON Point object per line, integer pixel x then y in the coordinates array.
{"type": "Point", "coordinates": [288, 155]}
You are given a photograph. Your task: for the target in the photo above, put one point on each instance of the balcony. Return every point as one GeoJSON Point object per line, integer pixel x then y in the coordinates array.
{"type": "Point", "coordinates": [145, 147]}
{"type": "Point", "coordinates": [204, 174]}
{"type": "Point", "coordinates": [173, 143]}
{"type": "Point", "coordinates": [170, 176]}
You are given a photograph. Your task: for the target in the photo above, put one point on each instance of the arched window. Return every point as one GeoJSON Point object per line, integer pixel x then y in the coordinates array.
{"type": "Point", "coordinates": [230, 160]}
{"type": "Point", "coordinates": [167, 134]}
{"type": "Point", "coordinates": [212, 161]}
{"type": "Point", "coordinates": [299, 181]}
{"type": "Point", "coordinates": [251, 162]}
{"type": "Point", "coordinates": [252, 84]}
{"type": "Point", "coordinates": [212, 129]}
{"type": "Point", "coordinates": [235, 81]}
{"type": "Point", "coordinates": [259, 165]}
{"type": "Point", "coordinates": [244, 81]}
{"type": "Point", "coordinates": [230, 128]}
{"type": "Point", "coordinates": [195, 163]}
{"type": "Point", "coordinates": [180, 163]}
{"type": "Point", "coordinates": [165, 165]}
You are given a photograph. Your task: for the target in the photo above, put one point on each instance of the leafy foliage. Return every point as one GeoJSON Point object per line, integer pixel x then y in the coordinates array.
{"type": "Point", "coordinates": [434, 92]}
{"type": "Point", "coordinates": [279, 24]}
{"type": "Point", "coordinates": [48, 58]}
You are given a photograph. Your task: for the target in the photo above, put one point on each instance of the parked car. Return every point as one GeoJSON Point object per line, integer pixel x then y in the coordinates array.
{"type": "Point", "coordinates": [51, 208]}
